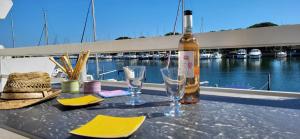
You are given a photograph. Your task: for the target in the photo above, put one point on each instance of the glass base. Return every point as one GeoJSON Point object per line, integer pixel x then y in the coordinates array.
{"type": "Point", "coordinates": [135, 102]}
{"type": "Point", "coordinates": [173, 113]}
{"type": "Point", "coordinates": [175, 110]}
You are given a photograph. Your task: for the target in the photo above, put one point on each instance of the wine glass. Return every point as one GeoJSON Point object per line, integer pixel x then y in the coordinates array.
{"type": "Point", "coordinates": [175, 85]}
{"type": "Point", "coordinates": [134, 76]}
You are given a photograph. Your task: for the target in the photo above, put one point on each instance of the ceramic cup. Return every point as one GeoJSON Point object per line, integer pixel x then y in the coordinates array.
{"type": "Point", "coordinates": [71, 86]}
{"type": "Point", "coordinates": [91, 87]}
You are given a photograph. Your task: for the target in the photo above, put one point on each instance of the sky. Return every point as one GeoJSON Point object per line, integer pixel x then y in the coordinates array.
{"type": "Point", "coordinates": [134, 18]}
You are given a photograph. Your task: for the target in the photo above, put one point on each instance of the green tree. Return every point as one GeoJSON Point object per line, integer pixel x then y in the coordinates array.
{"type": "Point", "coordinates": [263, 24]}
{"type": "Point", "coordinates": [123, 38]}
{"type": "Point", "coordinates": [171, 33]}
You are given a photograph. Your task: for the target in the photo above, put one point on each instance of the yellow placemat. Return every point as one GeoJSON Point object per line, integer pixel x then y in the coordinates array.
{"type": "Point", "coordinates": [80, 101]}
{"type": "Point", "coordinates": [109, 127]}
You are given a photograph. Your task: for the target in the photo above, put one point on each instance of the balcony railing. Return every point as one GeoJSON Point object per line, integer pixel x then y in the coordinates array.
{"type": "Point", "coordinates": [257, 37]}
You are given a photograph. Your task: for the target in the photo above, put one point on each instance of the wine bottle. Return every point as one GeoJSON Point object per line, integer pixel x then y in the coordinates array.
{"type": "Point", "coordinates": [188, 61]}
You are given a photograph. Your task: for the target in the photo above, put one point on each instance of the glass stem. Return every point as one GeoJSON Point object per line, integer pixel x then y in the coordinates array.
{"type": "Point", "coordinates": [135, 96]}
{"type": "Point", "coordinates": [176, 107]}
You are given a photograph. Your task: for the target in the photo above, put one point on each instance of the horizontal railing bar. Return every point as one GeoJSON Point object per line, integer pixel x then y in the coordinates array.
{"type": "Point", "coordinates": [215, 90]}
{"type": "Point", "coordinates": [247, 38]}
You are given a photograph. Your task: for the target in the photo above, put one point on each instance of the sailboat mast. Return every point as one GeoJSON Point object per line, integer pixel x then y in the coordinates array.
{"type": "Point", "coordinates": [182, 16]}
{"type": "Point", "coordinates": [94, 21]}
{"type": "Point", "coordinates": [46, 28]}
{"type": "Point", "coordinates": [94, 38]}
{"type": "Point", "coordinates": [12, 31]}
{"type": "Point", "coordinates": [202, 25]}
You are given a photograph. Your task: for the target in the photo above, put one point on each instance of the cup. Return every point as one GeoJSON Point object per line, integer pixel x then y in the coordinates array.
{"type": "Point", "coordinates": [134, 77]}
{"type": "Point", "coordinates": [175, 86]}
{"type": "Point", "coordinates": [70, 86]}
{"type": "Point", "coordinates": [91, 87]}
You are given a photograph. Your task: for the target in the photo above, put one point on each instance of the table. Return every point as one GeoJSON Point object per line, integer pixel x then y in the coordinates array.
{"type": "Point", "coordinates": [214, 117]}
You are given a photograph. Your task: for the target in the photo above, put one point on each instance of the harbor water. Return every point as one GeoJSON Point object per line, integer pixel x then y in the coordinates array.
{"type": "Point", "coordinates": [282, 74]}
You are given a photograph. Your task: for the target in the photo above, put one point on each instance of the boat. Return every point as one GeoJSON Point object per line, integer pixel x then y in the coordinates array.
{"type": "Point", "coordinates": [241, 54]}
{"type": "Point", "coordinates": [216, 55]}
{"type": "Point", "coordinates": [205, 55]}
{"type": "Point", "coordinates": [144, 56]}
{"type": "Point", "coordinates": [130, 56]}
{"type": "Point", "coordinates": [118, 56]}
{"type": "Point", "coordinates": [255, 54]}
{"type": "Point", "coordinates": [157, 56]}
{"type": "Point", "coordinates": [174, 55]}
{"type": "Point", "coordinates": [106, 57]}
{"type": "Point", "coordinates": [281, 54]}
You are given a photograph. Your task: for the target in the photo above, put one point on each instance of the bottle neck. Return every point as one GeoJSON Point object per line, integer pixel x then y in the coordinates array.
{"type": "Point", "coordinates": [188, 24]}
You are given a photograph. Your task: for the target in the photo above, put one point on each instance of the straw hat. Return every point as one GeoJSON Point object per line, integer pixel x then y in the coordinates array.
{"type": "Point", "coordinates": [24, 89]}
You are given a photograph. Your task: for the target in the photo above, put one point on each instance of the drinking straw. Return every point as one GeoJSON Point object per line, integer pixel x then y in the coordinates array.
{"type": "Point", "coordinates": [57, 64]}
{"type": "Point", "coordinates": [73, 73]}
{"type": "Point", "coordinates": [67, 59]}
{"type": "Point", "coordinates": [83, 63]}
{"type": "Point", "coordinates": [69, 72]}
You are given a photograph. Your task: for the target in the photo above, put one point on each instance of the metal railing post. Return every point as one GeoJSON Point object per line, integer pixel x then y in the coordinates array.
{"type": "Point", "coordinates": [97, 66]}
{"type": "Point", "coordinates": [269, 81]}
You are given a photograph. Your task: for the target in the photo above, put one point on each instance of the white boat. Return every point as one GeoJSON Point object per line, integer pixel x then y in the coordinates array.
{"type": "Point", "coordinates": [174, 56]}
{"type": "Point", "coordinates": [133, 56]}
{"type": "Point", "coordinates": [130, 56]}
{"type": "Point", "coordinates": [281, 54]}
{"type": "Point", "coordinates": [216, 55]}
{"type": "Point", "coordinates": [255, 54]}
{"type": "Point", "coordinates": [144, 56]}
{"type": "Point", "coordinates": [241, 54]}
{"type": "Point", "coordinates": [205, 55]}
{"type": "Point", "coordinates": [156, 56]}
{"type": "Point", "coordinates": [106, 57]}
{"type": "Point", "coordinates": [118, 56]}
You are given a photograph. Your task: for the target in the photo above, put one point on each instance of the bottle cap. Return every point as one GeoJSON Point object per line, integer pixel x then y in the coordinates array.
{"type": "Point", "coordinates": [187, 12]}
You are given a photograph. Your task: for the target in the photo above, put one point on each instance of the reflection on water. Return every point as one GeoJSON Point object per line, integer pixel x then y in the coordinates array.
{"type": "Point", "coordinates": [240, 73]}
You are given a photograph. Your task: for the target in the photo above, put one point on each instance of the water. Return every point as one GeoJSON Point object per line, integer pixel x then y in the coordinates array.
{"type": "Point", "coordinates": [237, 73]}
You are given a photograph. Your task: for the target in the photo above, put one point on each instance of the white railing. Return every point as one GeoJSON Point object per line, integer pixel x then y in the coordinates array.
{"type": "Point", "coordinates": [257, 37]}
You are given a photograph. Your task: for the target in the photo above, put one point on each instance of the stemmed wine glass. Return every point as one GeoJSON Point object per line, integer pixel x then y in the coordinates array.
{"type": "Point", "coordinates": [175, 85]}
{"type": "Point", "coordinates": [134, 76]}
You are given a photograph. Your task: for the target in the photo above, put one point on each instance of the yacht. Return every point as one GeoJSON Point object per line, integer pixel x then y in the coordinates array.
{"type": "Point", "coordinates": [105, 56]}
{"type": "Point", "coordinates": [156, 56]}
{"type": "Point", "coordinates": [118, 56]}
{"type": "Point", "coordinates": [144, 56]}
{"type": "Point", "coordinates": [130, 56]}
{"type": "Point", "coordinates": [255, 54]}
{"type": "Point", "coordinates": [216, 55]}
{"type": "Point", "coordinates": [174, 55]}
{"type": "Point", "coordinates": [241, 54]}
{"type": "Point", "coordinates": [205, 55]}
{"type": "Point", "coordinates": [281, 54]}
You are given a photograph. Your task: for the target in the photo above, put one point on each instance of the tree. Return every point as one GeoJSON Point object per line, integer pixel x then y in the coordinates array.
{"type": "Point", "coordinates": [123, 38]}
{"type": "Point", "coordinates": [171, 33]}
{"type": "Point", "coordinates": [263, 24]}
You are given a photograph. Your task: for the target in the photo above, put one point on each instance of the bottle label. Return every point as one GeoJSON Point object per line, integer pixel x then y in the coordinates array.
{"type": "Point", "coordinates": [186, 63]}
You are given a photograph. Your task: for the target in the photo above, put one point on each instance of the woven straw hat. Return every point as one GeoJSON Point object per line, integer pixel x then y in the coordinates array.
{"type": "Point", "coordinates": [24, 89]}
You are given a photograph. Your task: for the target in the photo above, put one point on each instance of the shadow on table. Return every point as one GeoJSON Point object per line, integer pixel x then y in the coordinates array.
{"type": "Point", "coordinates": [144, 91]}
{"type": "Point", "coordinates": [80, 137]}
{"type": "Point", "coordinates": [125, 106]}
{"type": "Point", "coordinates": [287, 103]}
{"type": "Point", "coordinates": [69, 108]}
